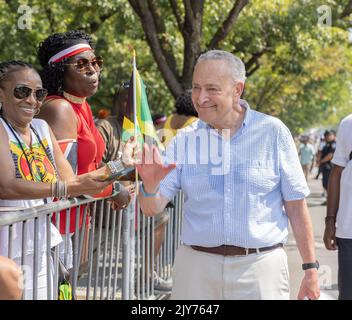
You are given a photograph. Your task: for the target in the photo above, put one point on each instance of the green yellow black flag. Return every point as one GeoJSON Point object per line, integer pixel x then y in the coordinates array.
{"type": "Point", "coordinates": [138, 120]}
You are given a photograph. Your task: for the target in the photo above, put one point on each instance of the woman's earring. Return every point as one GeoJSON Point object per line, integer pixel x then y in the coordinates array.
{"type": "Point", "coordinates": [0, 106]}
{"type": "Point", "coordinates": [37, 112]}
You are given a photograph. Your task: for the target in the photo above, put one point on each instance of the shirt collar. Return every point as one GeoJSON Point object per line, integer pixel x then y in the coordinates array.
{"type": "Point", "coordinates": [248, 114]}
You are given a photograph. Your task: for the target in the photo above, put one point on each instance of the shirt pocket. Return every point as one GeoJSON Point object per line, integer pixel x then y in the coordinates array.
{"type": "Point", "coordinates": [259, 176]}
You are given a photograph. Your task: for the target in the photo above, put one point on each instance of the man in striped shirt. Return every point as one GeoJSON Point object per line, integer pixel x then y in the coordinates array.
{"type": "Point", "coordinates": [242, 181]}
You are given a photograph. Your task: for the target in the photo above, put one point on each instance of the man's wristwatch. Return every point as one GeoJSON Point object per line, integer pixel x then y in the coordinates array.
{"type": "Point", "coordinates": [311, 265]}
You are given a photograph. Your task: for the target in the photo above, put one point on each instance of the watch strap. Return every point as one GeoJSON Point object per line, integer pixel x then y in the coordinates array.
{"type": "Point", "coordinates": [310, 265]}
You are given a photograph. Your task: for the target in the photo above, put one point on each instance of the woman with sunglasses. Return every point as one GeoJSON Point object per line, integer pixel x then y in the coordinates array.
{"type": "Point", "coordinates": [71, 73]}
{"type": "Point", "coordinates": [34, 170]}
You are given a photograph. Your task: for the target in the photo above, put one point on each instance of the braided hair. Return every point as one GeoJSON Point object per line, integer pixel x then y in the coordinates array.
{"type": "Point", "coordinates": [52, 74]}
{"type": "Point", "coordinates": [11, 66]}
{"type": "Point", "coordinates": [184, 105]}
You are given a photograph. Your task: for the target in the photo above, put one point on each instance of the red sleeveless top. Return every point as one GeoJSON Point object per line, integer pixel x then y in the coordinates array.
{"type": "Point", "coordinates": [90, 143]}
{"type": "Point", "coordinates": [90, 150]}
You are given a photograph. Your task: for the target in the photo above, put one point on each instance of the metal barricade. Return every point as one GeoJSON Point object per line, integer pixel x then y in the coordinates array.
{"type": "Point", "coordinates": [110, 257]}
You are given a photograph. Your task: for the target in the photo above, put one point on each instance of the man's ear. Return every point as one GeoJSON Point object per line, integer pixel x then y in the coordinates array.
{"type": "Point", "coordinates": [239, 87]}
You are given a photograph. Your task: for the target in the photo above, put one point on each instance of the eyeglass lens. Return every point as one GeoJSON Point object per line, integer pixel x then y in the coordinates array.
{"type": "Point", "coordinates": [83, 64]}
{"type": "Point", "coordinates": [22, 92]}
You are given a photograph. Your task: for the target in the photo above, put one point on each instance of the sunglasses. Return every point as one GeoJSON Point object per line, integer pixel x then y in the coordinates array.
{"type": "Point", "coordinates": [83, 64]}
{"type": "Point", "coordinates": [22, 92]}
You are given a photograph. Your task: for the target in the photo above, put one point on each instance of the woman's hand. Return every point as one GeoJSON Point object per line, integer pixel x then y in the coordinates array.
{"type": "Point", "coordinates": [123, 198]}
{"type": "Point", "coordinates": [89, 183]}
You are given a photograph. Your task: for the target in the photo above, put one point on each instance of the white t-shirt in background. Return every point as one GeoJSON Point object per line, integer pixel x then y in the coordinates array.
{"type": "Point", "coordinates": [342, 159]}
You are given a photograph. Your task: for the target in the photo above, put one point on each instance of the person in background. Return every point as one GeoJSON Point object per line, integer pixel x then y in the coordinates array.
{"type": "Point", "coordinates": [109, 123]}
{"type": "Point", "coordinates": [338, 220]}
{"type": "Point", "coordinates": [326, 156]}
{"type": "Point", "coordinates": [119, 108]}
{"type": "Point", "coordinates": [320, 147]}
{"type": "Point", "coordinates": [306, 155]}
{"type": "Point", "coordinates": [112, 142]}
{"type": "Point", "coordinates": [159, 120]}
{"type": "Point", "coordinates": [184, 115]}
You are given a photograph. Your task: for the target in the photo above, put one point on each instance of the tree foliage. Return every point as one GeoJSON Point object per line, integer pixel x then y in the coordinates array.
{"type": "Point", "coordinates": [298, 68]}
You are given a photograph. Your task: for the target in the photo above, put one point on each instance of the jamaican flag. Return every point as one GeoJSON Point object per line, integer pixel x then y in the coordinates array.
{"type": "Point", "coordinates": [137, 119]}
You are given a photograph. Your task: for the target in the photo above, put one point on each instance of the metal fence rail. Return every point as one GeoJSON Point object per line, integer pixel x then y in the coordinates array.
{"type": "Point", "coordinates": [109, 257]}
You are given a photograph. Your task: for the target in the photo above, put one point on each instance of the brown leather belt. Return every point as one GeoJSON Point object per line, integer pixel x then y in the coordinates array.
{"type": "Point", "coordinates": [226, 250]}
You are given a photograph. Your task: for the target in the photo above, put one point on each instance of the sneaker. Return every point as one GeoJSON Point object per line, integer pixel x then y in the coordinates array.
{"type": "Point", "coordinates": [161, 284]}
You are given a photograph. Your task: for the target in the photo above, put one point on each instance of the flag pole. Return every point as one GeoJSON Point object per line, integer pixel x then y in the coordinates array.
{"type": "Point", "coordinates": [135, 121]}
{"type": "Point", "coordinates": [134, 95]}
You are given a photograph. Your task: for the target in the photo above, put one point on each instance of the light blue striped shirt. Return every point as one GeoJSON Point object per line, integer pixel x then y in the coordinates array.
{"type": "Point", "coordinates": [234, 190]}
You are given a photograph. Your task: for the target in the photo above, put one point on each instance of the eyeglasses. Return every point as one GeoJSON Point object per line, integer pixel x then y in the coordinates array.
{"type": "Point", "coordinates": [22, 92]}
{"type": "Point", "coordinates": [83, 64]}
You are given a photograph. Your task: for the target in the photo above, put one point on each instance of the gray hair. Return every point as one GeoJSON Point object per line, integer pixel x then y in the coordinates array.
{"type": "Point", "coordinates": [236, 65]}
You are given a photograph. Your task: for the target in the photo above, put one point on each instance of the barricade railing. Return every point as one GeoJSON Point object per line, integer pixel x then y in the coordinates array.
{"type": "Point", "coordinates": [109, 254]}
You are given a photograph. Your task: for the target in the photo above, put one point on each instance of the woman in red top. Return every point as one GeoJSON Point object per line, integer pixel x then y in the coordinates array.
{"type": "Point", "coordinates": [71, 73]}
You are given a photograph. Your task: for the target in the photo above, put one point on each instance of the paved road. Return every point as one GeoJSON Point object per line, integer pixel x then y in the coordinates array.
{"type": "Point", "coordinates": [327, 259]}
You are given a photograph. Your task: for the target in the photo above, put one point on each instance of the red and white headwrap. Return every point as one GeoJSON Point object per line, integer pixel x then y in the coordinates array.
{"type": "Point", "coordinates": [69, 52]}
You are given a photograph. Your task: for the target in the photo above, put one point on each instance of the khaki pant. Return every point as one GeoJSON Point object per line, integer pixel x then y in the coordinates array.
{"type": "Point", "coordinates": [205, 276]}
{"type": "Point", "coordinates": [306, 169]}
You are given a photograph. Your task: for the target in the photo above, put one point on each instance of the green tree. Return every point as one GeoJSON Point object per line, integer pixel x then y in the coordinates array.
{"type": "Point", "coordinates": [292, 66]}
